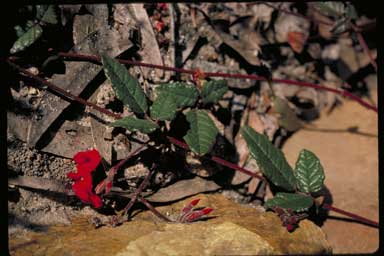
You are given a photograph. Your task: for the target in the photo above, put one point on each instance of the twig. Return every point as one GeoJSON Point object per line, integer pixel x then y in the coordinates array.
{"type": "Point", "coordinates": [226, 75]}
{"type": "Point", "coordinates": [352, 215]}
{"type": "Point", "coordinates": [156, 212]}
{"type": "Point", "coordinates": [143, 184]}
{"type": "Point", "coordinates": [67, 95]}
{"type": "Point", "coordinates": [364, 46]}
{"type": "Point", "coordinates": [84, 102]}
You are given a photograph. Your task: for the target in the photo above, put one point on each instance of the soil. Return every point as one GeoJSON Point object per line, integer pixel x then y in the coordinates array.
{"type": "Point", "coordinates": [342, 133]}
{"type": "Point", "coordinates": [346, 143]}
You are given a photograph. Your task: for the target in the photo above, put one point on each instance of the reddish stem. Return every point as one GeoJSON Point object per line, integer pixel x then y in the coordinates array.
{"type": "Point", "coordinates": [364, 46]}
{"type": "Point", "coordinates": [63, 92]}
{"type": "Point", "coordinates": [138, 191]}
{"type": "Point", "coordinates": [352, 215]}
{"type": "Point", "coordinates": [156, 212]}
{"type": "Point", "coordinates": [226, 75]}
{"type": "Point", "coordinates": [105, 111]}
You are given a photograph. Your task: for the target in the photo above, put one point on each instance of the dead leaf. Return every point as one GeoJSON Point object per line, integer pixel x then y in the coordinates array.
{"type": "Point", "coordinates": [70, 139]}
{"type": "Point", "coordinates": [297, 40]}
{"type": "Point", "coordinates": [287, 117]}
{"type": "Point", "coordinates": [286, 23]}
{"type": "Point", "coordinates": [78, 74]}
{"type": "Point", "coordinates": [150, 51]}
{"type": "Point", "coordinates": [182, 189]}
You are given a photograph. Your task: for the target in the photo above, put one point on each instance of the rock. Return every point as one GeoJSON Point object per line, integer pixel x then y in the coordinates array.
{"type": "Point", "coordinates": [181, 239]}
{"type": "Point", "coordinates": [230, 229]}
{"type": "Point", "coordinates": [346, 143]}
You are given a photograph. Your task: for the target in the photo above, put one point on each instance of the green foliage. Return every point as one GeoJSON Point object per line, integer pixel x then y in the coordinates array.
{"type": "Point", "coordinates": [202, 133]}
{"type": "Point", "coordinates": [213, 91]}
{"type": "Point", "coordinates": [170, 97]}
{"type": "Point", "coordinates": [27, 38]}
{"type": "Point", "coordinates": [270, 159]}
{"type": "Point", "coordinates": [288, 118]}
{"type": "Point", "coordinates": [296, 202]}
{"type": "Point", "coordinates": [46, 13]}
{"type": "Point", "coordinates": [126, 87]}
{"type": "Point", "coordinates": [185, 95]}
{"type": "Point", "coordinates": [33, 30]}
{"type": "Point", "coordinates": [164, 107]}
{"type": "Point", "coordinates": [133, 124]}
{"type": "Point", "coordinates": [308, 172]}
{"type": "Point", "coordinates": [333, 8]}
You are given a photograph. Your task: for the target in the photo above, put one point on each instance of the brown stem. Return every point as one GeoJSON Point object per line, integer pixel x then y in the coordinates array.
{"type": "Point", "coordinates": [152, 209]}
{"type": "Point", "coordinates": [226, 75]}
{"type": "Point", "coordinates": [352, 215]}
{"type": "Point", "coordinates": [364, 46]}
{"type": "Point", "coordinates": [62, 92]}
{"type": "Point", "coordinates": [84, 102]}
{"type": "Point", "coordinates": [138, 191]}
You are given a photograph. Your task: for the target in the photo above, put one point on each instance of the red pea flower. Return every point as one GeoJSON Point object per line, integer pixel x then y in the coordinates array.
{"type": "Point", "coordinates": [86, 163]}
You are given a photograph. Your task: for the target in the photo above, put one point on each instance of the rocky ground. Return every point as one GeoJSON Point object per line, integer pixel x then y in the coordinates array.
{"type": "Point", "coordinates": [45, 131]}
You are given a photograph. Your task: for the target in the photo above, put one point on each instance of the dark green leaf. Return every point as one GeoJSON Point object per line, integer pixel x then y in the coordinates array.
{"type": "Point", "coordinates": [214, 90]}
{"type": "Point", "coordinates": [308, 172]}
{"type": "Point", "coordinates": [296, 202]}
{"type": "Point", "coordinates": [288, 118]}
{"type": "Point", "coordinates": [351, 12]}
{"type": "Point", "coordinates": [133, 124]}
{"type": "Point", "coordinates": [164, 107]}
{"type": "Point", "coordinates": [46, 13]}
{"type": "Point", "coordinates": [126, 87]}
{"type": "Point", "coordinates": [334, 9]}
{"type": "Point", "coordinates": [19, 30]}
{"type": "Point", "coordinates": [202, 133]}
{"type": "Point", "coordinates": [27, 39]}
{"type": "Point", "coordinates": [184, 94]}
{"type": "Point", "coordinates": [270, 159]}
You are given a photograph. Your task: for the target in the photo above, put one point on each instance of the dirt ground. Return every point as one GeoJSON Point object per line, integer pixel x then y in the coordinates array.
{"type": "Point", "coordinates": [350, 161]}
{"type": "Point", "coordinates": [232, 38]}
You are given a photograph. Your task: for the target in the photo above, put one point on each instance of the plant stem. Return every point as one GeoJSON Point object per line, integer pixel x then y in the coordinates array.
{"type": "Point", "coordinates": [226, 75]}
{"type": "Point", "coordinates": [364, 46]}
{"type": "Point", "coordinates": [135, 194]}
{"type": "Point", "coordinates": [70, 96]}
{"type": "Point", "coordinates": [156, 212]}
{"type": "Point", "coordinates": [62, 92]}
{"type": "Point", "coordinates": [352, 215]}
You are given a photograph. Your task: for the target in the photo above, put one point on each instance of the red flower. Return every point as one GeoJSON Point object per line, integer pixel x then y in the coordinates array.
{"type": "Point", "coordinates": [86, 162]}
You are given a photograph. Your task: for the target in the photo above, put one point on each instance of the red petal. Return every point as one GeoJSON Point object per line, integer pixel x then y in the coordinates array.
{"type": "Point", "coordinates": [73, 176]}
{"type": "Point", "coordinates": [81, 191]}
{"type": "Point", "coordinates": [207, 210]}
{"type": "Point", "coordinates": [195, 202]}
{"type": "Point", "coordinates": [96, 201]}
{"type": "Point", "coordinates": [87, 161]}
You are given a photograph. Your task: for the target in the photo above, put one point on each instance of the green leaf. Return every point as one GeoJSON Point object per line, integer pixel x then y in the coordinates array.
{"type": "Point", "coordinates": [202, 133]}
{"type": "Point", "coordinates": [46, 13]}
{"type": "Point", "coordinates": [213, 91]}
{"type": "Point", "coordinates": [270, 159]}
{"type": "Point", "coordinates": [296, 202]}
{"type": "Point", "coordinates": [288, 118]}
{"type": "Point", "coordinates": [185, 95]}
{"type": "Point", "coordinates": [27, 39]}
{"type": "Point", "coordinates": [164, 107]}
{"type": "Point", "coordinates": [334, 9]}
{"type": "Point", "coordinates": [308, 172]}
{"type": "Point", "coordinates": [126, 87]}
{"type": "Point", "coordinates": [19, 30]}
{"type": "Point", "coordinates": [351, 12]}
{"type": "Point", "coordinates": [133, 124]}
